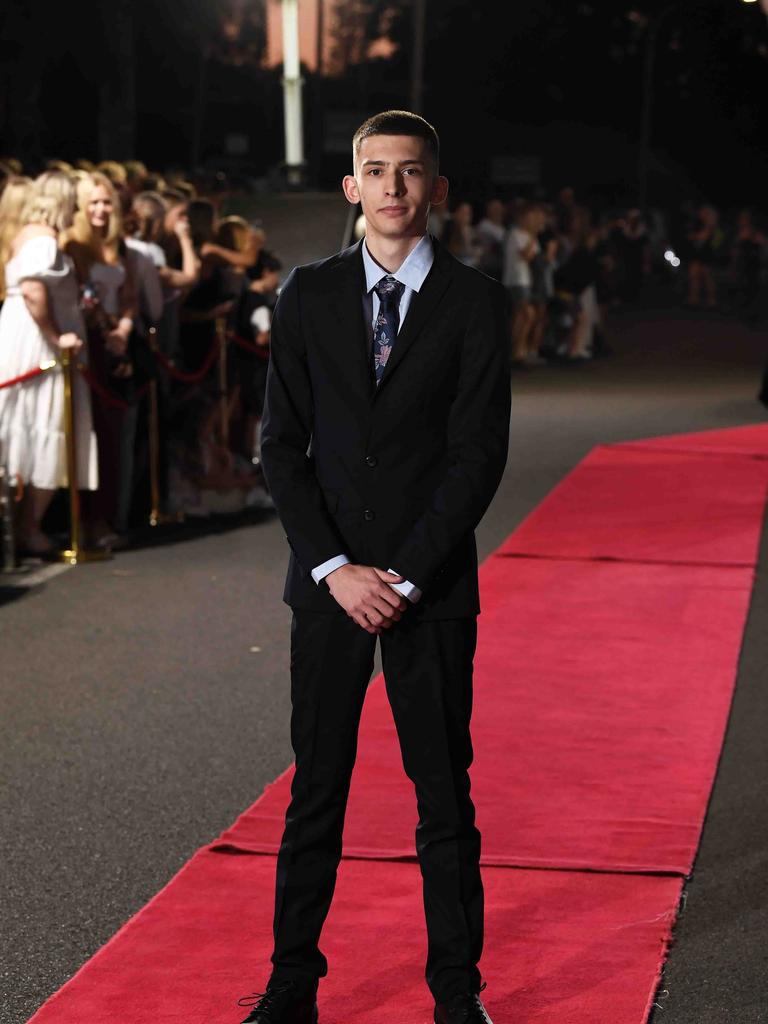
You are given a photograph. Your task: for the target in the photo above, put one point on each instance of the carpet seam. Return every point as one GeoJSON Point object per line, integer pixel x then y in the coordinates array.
{"type": "Point", "coordinates": [618, 560]}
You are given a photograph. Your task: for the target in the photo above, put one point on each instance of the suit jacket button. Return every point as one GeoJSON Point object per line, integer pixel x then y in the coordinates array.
{"type": "Point", "coordinates": [371, 460]}
{"type": "Point", "coordinates": [369, 515]}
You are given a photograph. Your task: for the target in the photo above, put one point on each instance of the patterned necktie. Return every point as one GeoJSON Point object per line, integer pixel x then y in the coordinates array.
{"type": "Point", "coordinates": [387, 322]}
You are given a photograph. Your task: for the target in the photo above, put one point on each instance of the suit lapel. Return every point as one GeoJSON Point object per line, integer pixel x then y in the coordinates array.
{"type": "Point", "coordinates": [348, 325]}
{"type": "Point", "coordinates": [422, 306]}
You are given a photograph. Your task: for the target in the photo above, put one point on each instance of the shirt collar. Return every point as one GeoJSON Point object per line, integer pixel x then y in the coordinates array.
{"type": "Point", "coordinates": [411, 272]}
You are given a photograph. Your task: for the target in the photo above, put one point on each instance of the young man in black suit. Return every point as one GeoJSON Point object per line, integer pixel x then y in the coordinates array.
{"type": "Point", "coordinates": [384, 439]}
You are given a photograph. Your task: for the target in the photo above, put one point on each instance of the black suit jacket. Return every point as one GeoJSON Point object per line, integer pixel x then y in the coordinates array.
{"type": "Point", "coordinates": [400, 474]}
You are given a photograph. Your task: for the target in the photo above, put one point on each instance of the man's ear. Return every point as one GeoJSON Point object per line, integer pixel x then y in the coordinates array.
{"type": "Point", "coordinates": [439, 191]}
{"type": "Point", "coordinates": [351, 191]}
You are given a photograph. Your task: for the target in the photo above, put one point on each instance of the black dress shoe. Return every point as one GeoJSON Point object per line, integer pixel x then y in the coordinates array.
{"type": "Point", "coordinates": [462, 1009]}
{"type": "Point", "coordinates": [284, 1002]}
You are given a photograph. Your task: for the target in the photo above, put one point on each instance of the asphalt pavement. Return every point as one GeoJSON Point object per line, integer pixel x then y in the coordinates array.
{"type": "Point", "coordinates": [144, 701]}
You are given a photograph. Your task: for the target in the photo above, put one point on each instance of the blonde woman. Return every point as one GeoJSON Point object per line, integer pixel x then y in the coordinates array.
{"type": "Point", "coordinates": [41, 316]}
{"type": "Point", "coordinates": [96, 244]}
{"type": "Point", "coordinates": [12, 202]}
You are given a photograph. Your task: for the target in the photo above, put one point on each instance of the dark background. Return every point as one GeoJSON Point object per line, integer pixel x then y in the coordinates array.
{"type": "Point", "coordinates": [167, 80]}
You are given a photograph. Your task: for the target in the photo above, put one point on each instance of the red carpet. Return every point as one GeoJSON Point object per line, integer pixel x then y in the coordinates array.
{"type": "Point", "coordinates": [562, 948]}
{"type": "Point", "coordinates": [632, 504]}
{"type": "Point", "coordinates": [602, 693]}
{"type": "Point", "coordinates": [607, 658]}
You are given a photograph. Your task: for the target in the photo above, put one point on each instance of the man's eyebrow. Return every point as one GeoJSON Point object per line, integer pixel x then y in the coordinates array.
{"type": "Point", "coordinates": [382, 163]}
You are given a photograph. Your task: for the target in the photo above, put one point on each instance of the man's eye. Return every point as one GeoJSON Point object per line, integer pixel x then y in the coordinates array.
{"type": "Point", "coordinates": [375, 170]}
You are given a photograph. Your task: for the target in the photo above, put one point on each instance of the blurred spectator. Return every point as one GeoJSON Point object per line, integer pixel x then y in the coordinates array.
{"type": "Point", "coordinates": [135, 176]}
{"type": "Point", "coordinates": [155, 183]}
{"type": "Point", "coordinates": [10, 165]}
{"type": "Point", "coordinates": [458, 236]}
{"type": "Point", "coordinates": [748, 254]}
{"type": "Point", "coordinates": [521, 248]}
{"type": "Point", "coordinates": [576, 303]}
{"type": "Point", "coordinates": [186, 188]}
{"type": "Point", "coordinates": [116, 172]}
{"type": "Point", "coordinates": [489, 237]}
{"type": "Point", "coordinates": [41, 316]}
{"type": "Point", "coordinates": [212, 296]}
{"type": "Point", "coordinates": [150, 215]}
{"type": "Point", "coordinates": [149, 290]}
{"type": "Point", "coordinates": [12, 201]}
{"type": "Point", "coordinates": [97, 246]}
{"type": "Point", "coordinates": [542, 267]}
{"type": "Point", "coordinates": [251, 321]}
{"type": "Point", "coordinates": [263, 274]}
{"type": "Point", "coordinates": [243, 248]}
{"type": "Point", "coordinates": [706, 251]}
{"type": "Point", "coordinates": [163, 225]}
{"type": "Point", "coordinates": [176, 204]}
{"type": "Point", "coordinates": [59, 165]}
{"type": "Point", "coordinates": [565, 205]}
{"type": "Point", "coordinates": [148, 221]}
{"type": "Point", "coordinates": [631, 242]}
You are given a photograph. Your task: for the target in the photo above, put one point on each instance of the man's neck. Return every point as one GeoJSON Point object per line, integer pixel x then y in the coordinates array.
{"type": "Point", "coordinates": [391, 253]}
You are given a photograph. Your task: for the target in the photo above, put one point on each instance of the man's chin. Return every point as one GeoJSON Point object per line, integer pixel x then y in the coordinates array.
{"type": "Point", "coordinates": [396, 227]}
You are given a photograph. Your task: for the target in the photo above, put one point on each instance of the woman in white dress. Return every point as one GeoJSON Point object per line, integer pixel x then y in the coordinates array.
{"type": "Point", "coordinates": [40, 316]}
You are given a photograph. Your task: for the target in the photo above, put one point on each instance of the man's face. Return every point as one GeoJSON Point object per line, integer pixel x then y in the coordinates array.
{"type": "Point", "coordinates": [395, 182]}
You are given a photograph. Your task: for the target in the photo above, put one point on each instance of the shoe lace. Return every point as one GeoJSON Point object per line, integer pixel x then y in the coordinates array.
{"type": "Point", "coordinates": [266, 1001]}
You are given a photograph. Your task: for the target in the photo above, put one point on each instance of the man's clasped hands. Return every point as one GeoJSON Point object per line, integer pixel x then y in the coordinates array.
{"type": "Point", "coordinates": [365, 594]}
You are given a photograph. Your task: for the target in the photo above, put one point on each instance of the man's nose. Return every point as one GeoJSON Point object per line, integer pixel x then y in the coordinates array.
{"type": "Point", "coordinates": [395, 185]}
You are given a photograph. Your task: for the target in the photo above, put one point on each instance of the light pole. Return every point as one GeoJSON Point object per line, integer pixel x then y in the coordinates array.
{"type": "Point", "coordinates": [292, 83]}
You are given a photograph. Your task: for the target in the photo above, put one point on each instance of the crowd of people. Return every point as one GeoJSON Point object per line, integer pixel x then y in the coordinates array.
{"type": "Point", "coordinates": [140, 279]}
{"type": "Point", "coordinates": [564, 266]}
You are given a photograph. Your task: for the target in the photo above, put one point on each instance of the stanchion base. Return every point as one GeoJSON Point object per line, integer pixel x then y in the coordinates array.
{"type": "Point", "coordinates": [75, 557]}
{"type": "Point", "coordinates": [163, 518]}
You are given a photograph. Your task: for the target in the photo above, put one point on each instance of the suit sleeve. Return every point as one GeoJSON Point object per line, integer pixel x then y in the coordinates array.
{"type": "Point", "coordinates": [477, 437]}
{"type": "Point", "coordinates": [286, 436]}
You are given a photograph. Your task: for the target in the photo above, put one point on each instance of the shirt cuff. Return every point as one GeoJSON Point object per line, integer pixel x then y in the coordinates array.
{"type": "Point", "coordinates": [321, 571]}
{"type": "Point", "coordinates": [406, 588]}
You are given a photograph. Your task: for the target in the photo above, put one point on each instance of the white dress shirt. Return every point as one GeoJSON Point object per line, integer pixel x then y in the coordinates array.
{"type": "Point", "coordinates": [411, 273]}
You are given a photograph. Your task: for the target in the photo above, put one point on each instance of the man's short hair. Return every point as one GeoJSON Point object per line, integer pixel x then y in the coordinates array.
{"type": "Point", "coordinates": [397, 122]}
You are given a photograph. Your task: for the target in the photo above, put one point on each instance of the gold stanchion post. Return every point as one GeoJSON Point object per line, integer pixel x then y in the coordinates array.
{"type": "Point", "coordinates": [221, 334]}
{"type": "Point", "coordinates": [156, 517]}
{"type": "Point", "coordinates": [74, 554]}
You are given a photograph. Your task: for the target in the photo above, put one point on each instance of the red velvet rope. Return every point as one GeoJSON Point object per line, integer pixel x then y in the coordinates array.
{"type": "Point", "coordinates": [109, 396]}
{"type": "Point", "coordinates": [190, 378]}
{"type": "Point", "coordinates": [250, 346]}
{"type": "Point", "coordinates": [29, 375]}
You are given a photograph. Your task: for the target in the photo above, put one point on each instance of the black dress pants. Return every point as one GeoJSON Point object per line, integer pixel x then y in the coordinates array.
{"type": "Point", "coordinates": [428, 673]}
